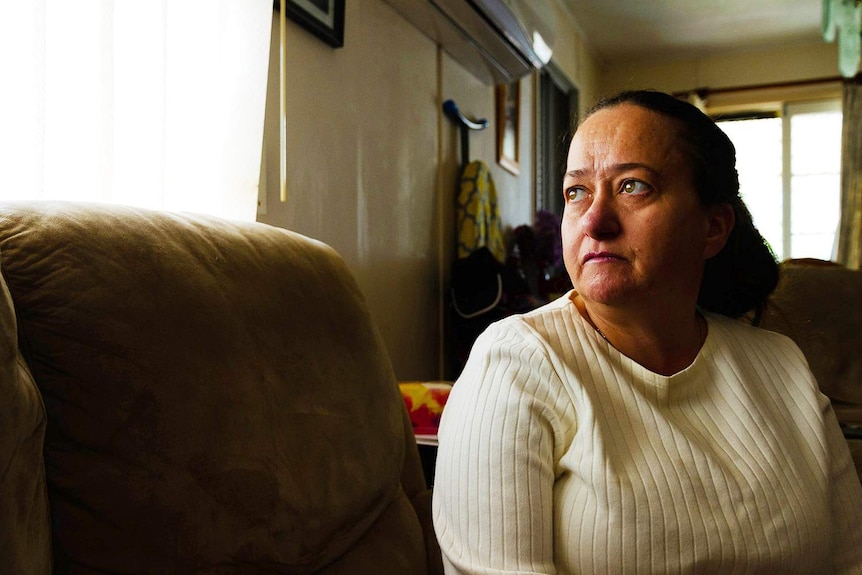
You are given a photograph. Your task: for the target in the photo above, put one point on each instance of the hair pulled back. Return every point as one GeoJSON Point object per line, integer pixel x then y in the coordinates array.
{"type": "Point", "coordinates": [741, 276]}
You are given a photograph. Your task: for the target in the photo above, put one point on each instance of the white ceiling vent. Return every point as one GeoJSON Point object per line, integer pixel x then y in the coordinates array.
{"type": "Point", "coordinates": [498, 41]}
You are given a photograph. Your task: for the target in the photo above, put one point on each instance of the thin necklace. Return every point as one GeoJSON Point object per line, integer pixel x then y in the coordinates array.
{"type": "Point", "coordinates": [699, 320]}
{"type": "Point", "coordinates": [604, 337]}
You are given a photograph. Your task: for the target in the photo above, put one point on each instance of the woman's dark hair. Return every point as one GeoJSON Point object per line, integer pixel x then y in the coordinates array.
{"type": "Point", "coordinates": [741, 276]}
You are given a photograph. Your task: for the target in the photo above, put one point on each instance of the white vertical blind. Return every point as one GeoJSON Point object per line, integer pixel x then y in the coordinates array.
{"type": "Point", "coordinates": [157, 104]}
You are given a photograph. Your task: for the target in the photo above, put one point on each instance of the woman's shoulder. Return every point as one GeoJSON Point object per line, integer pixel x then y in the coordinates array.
{"type": "Point", "coordinates": [743, 328]}
{"type": "Point", "coordinates": [517, 359]}
{"type": "Point", "coordinates": [543, 327]}
{"type": "Point", "coordinates": [557, 311]}
{"type": "Point", "coordinates": [740, 333]}
{"type": "Point", "coordinates": [541, 332]}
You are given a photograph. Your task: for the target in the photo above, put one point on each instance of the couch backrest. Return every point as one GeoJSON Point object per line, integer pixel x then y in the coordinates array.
{"type": "Point", "coordinates": [817, 304]}
{"type": "Point", "coordinates": [25, 524]}
{"type": "Point", "coordinates": [217, 398]}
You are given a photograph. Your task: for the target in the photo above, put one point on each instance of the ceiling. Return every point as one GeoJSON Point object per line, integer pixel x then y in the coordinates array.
{"type": "Point", "coordinates": [647, 31]}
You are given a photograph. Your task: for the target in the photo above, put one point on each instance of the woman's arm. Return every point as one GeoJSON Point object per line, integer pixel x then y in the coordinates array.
{"type": "Point", "coordinates": [846, 495]}
{"type": "Point", "coordinates": [493, 491]}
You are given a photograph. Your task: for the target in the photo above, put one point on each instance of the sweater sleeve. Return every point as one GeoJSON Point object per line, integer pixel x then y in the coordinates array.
{"type": "Point", "coordinates": [493, 491]}
{"type": "Point", "coordinates": [846, 496]}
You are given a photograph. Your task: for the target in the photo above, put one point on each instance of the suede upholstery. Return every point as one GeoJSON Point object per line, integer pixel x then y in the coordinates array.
{"type": "Point", "coordinates": [817, 304]}
{"type": "Point", "coordinates": [217, 401]}
{"type": "Point", "coordinates": [25, 525]}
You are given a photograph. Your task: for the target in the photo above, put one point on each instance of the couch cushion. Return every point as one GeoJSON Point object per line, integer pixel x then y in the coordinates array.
{"type": "Point", "coordinates": [218, 399]}
{"type": "Point", "coordinates": [25, 527]}
{"type": "Point", "coordinates": [817, 305]}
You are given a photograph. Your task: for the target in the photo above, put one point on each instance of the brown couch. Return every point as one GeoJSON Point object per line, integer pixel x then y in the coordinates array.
{"type": "Point", "coordinates": [182, 394]}
{"type": "Point", "coordinates": [818, 304]}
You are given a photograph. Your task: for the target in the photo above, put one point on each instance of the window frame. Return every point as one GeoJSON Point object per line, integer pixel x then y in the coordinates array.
{"type": "Point", "coordinates": [786, 111]}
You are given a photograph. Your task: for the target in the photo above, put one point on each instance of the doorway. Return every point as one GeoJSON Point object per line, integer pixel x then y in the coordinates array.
{"type": "Point", "coordinates": [557, 119]}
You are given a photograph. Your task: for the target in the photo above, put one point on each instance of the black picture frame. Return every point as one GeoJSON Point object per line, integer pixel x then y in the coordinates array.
{"type": "Point", "coordinates": [323, 18]}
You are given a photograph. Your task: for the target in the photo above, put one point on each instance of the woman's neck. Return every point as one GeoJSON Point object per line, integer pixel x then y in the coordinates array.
{"type": "Point", "coordinates": [663, 341]}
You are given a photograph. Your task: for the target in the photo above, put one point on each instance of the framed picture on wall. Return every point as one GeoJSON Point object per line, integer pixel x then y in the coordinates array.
{"type": "Point", "coordinates": [323, 18]}
{"type": "Point", "coordinates": [508, 121]}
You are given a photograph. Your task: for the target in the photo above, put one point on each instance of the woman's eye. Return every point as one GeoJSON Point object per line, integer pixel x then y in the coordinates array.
{"type": "Point", "coordinates": [574, 194]}
{"type": "Point", "coordinates": [635, 187]}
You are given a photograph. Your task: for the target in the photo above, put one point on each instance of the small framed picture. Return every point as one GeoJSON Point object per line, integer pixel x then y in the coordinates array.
{"type": "Point", "coordinates": [508, 121]}
{"type": "Point", "coordinates": [323, 18]}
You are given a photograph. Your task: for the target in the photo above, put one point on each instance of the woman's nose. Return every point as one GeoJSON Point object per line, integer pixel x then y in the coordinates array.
{"type": "Point", "coordinates": [601, 220]}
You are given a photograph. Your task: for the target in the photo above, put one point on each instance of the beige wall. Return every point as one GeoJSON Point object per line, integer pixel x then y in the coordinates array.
{"type": "Point", "coordinates": [373, 164]}
{"type": "Point", "coordinates": [756, 68]}
{"type": "Point", "coordinates": [575, 59]}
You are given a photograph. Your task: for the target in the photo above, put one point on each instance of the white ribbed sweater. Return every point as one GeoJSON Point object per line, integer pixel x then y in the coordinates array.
{"type": "Point", "coordinates": [558, 454]}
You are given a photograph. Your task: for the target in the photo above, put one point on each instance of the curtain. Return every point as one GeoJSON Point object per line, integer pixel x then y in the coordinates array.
{"type": "Point", "coordinates": [158, 104]}
{"type": "Point", "coordinates": [849, 250]}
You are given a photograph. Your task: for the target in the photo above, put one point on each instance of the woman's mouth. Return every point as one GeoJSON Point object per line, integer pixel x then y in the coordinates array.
{"type": "Point", "coordinates": [601, 257]}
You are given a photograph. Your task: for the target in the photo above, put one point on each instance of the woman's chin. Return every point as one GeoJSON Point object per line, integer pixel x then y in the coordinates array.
{"type": "Point", "coordinates": [606, 291]}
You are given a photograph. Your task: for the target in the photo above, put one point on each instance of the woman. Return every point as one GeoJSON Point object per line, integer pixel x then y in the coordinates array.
{"type": "Point", "coordinates": [635, 426]}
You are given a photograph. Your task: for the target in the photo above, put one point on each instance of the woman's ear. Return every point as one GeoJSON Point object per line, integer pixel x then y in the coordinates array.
{"type": "Point", "coordinates": [721, 218]}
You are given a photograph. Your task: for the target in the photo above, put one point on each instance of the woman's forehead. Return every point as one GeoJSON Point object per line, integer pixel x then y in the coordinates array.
{"type": "Point", "coordinates": [631, 122]}
{"type": "Point", "coordinates": [625, 132]}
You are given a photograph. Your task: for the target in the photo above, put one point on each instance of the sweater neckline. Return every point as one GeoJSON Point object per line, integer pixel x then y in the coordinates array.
{"type": "Point", "coordinates": [598, 341]}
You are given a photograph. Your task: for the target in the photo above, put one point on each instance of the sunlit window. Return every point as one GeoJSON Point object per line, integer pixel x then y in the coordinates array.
{"type": "Point", "coordinates": [789, 172]}
{"type": "Point", "coordinates": [136, 103]}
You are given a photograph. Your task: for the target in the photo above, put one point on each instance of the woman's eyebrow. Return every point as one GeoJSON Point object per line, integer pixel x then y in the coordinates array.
{"type": "Point", "coordinates": [615, 168]}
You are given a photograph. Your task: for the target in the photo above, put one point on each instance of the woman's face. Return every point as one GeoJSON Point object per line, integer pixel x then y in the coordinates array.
{"type": "Point", "coordinates": [633, 228]}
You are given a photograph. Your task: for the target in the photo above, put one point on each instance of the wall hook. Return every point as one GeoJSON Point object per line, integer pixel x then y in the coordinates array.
{"type": "Point", "coordinates": [465, 125]}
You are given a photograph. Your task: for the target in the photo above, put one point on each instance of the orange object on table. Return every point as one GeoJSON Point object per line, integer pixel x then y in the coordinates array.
{"type": "Point", "coordinates": [425, 401]}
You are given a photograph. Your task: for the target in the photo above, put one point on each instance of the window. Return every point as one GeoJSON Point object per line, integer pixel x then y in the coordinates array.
{"type": "Point", "coordinates": [789, 174]}
{"type": "Point", "coordinates": [134, 102]}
